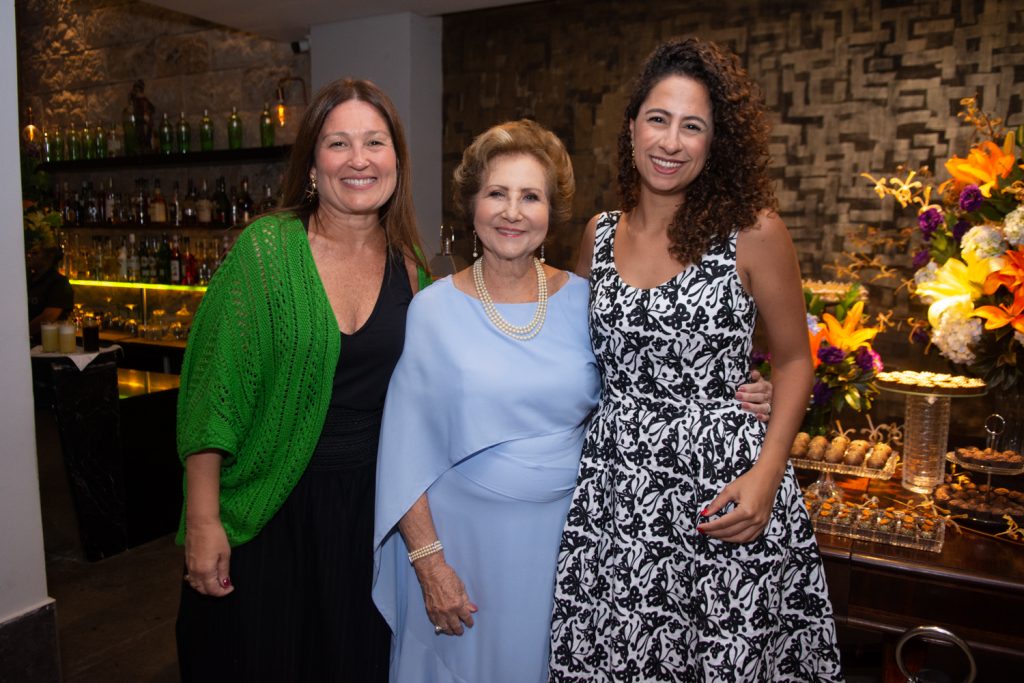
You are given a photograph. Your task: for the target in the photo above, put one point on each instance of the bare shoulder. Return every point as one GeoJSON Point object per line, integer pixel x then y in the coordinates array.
{"type": "Point", "coordinates": [412, 270]}
{"type": "Point", "coordinates": [769, 226]}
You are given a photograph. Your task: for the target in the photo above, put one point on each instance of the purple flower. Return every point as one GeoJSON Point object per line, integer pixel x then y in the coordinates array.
{"type": "Point", "coordinates": [960, 229]}
{"type": "Point", "coordinates": [830, 355]}
{"type": "Point", "coordinates": [920, 335]}
{"type": "Point", "coordinates": [971, 198]}
{"type": "Point", "coordinates": [867, 359]}
{"type": "Point", "coordinates": [929, 221]}
{"type": "Point", "coordinates": [921, 258]}
{"type": "Point", "coordinates": [821, 394]}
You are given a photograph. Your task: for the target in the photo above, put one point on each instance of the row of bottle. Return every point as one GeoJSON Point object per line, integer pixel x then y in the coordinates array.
{"type": "Point", "coordinates": [99, 141]}
{"type": "Point", "coordinates": [105, 206]}
{"type": "Point", "coordinates": [150, 260]}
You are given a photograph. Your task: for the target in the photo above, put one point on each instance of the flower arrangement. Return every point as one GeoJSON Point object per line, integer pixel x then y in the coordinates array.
{"type": "Point", "coordinates": [969, 268]}
{"type": "Point", "coordinates": [845, 365]}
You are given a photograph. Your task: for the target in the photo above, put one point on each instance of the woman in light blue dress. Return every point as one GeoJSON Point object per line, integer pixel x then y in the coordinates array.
{"type": "Point", "coordinates": [482, 431]}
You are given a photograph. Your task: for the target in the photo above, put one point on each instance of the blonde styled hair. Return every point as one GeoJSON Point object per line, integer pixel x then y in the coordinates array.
{"type": "Point", "coordinates": [516, 137]}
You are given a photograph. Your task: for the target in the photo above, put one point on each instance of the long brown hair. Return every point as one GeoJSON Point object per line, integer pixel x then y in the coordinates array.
{"type": "Point", "coordinates": [397, 215]}
{"type": "Point", "coordinates": [735, 184]}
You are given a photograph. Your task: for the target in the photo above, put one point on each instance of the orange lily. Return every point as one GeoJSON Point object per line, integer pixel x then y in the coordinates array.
{"type": "Point", "coordinates": [985, 165]}
{"type": "Point", "coordinates": [845, 335]}
{"type": "Point", "coordinates": [1011, 275]}
{"type": "Point", "coordinates": [1000, 316]}
{"type": "Point", "coordinates": [816, 339]}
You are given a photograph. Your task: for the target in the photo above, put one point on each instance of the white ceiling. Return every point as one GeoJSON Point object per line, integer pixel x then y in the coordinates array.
{"type": "Point", "coordinates": [289, 20]}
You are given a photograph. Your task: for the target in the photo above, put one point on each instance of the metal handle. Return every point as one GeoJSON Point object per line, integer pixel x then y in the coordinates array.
{"type": "Point", "coordinates": [937, 633]}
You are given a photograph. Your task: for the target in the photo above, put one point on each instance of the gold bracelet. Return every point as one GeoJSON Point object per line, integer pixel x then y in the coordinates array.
{"type": "Point", "coordinates": [426, 550]}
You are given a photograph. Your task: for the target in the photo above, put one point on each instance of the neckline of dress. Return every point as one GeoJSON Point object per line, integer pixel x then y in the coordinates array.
{"type": "Point", "coordinates": [615, 267]}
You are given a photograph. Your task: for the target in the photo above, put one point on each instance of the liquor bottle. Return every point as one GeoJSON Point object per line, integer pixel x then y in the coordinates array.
{"type": "Point", "coordinates": [204, 207]}
{"type": "Point", "coordinates": [47, 147]}
{"type": "Point", "coordinates": [183, 135]}
{"type": "Point", "coordinates": [269, 203]}
{"type": "Point", "coordinates": [174, 262]}
{"type": "Point", "coordinates": [244, 203]}
{"type": "Point", "coordinates": [144, 264]}
{"type": "Point", "coordinates": [163, 262]}
{"type": "Point", "coordinates": [234, 130]}
{"type": "Point", "coordinates": [203, 270]}
{"type": "Point", "coordinates": [90, 210]}
{"type": "Point", "coordinates": [174, 206]}
{"type": "Point", "coordinates": [97, 258]}
{"type": "Point", "coordinates": [58, 144]}
{"type": "Point", "coordinates": [99, 142]}
{"type": "Point", "coordinates": [206, 132]}
{"type": "Point", "coordinates": [88, 142]}
{"type": "Point", "coordinates": [221, 205]}
{"type": "Point", "coordinates": [114, 146]}
{"type": "Point", "coordinates": [122, 261]}
{"type": "Point", "coordinates": [140, 202]}
{"type": "Point", "coordinates": [157, 205]}
{"type": "Point", "coordinates": [132, 266]}
{"type": "Point", "coordinates": [74, 144]}
{"type": "Point", "coordinates": [188, 264]}
{"type": "Point", "coordinates": [110, 212]}
{"type": "Point", "coordinates": [266, 127]}
{"type": "Point", "coordinates": [130, 128]}
{"type": "Point", "coordinates": [188, 205]}
{"type": "Point", "coordinates": [166, 136]}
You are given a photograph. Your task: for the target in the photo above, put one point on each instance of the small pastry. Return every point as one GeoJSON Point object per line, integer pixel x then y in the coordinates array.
{"type": "Point", "coordinates": [816, 449]}
{"type": "Point", "coordinates": [879, 456]}
{"type": "Point", "coordinates": [837, 449]}
{"type": "Point", "coordinates": [800, 444]}
{"type": "Point", "coordinates": [854, 456]}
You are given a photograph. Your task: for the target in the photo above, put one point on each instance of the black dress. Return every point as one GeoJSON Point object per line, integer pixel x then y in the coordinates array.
{"type": "Point", "coordinates": [301, 609]}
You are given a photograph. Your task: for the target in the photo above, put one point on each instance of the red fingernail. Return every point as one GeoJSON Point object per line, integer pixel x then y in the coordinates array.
{"type": "Point", "coordinates": [700, 531]}
{"type": "Point", "coordinates": [704, 512]}
{"type": "Point", "coordinates": [226, 581]}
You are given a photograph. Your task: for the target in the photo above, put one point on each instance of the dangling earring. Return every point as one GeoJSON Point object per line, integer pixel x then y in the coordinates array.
{"type": "Point", "coordinates": [632, 153]}
{"type": "Point", "coordinates": [311, 190]}
{"type": "Point", "coordinates": [542, 260]}
{"type": "Point", "coordinates": [474, 245]}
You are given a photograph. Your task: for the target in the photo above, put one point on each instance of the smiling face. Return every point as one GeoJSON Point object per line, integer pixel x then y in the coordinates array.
{"type": "Point", "coordinates": [512, 209]}
{"type": "Point", "coordinates": [672, 134]}
{"type": "Point", "coordinates": [355, 165]}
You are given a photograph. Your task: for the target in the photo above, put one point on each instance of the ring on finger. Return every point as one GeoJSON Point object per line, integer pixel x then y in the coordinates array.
{"type": "Point", "coordinates": [438, 630]}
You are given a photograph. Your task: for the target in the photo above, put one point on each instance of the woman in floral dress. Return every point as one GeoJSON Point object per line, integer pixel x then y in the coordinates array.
{"type": "Point", "coordinates": [687, 554]}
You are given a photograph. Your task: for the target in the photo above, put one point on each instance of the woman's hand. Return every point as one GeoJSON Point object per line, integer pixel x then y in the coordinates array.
{"type": "Point", "coordinates": [753, 495]}
{"type": "Point", "coordinates": [444, 595]}
{"type": "Point", "coordinates": [756, 397]}
{"type": "Point", "coordinates": [208, 558]}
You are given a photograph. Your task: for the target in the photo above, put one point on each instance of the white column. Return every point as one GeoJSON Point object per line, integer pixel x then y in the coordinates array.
{"type": "Point", "coordinates": [22, 563]}
{"type": "Point", "coordinates": [402, 54]}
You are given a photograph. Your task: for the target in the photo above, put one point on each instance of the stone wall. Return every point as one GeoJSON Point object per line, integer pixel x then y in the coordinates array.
{"type": "Point", "coordinates": [854, 86]}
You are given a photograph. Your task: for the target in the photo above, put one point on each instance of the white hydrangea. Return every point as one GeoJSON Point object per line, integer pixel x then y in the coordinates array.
{"type": "Point", "coordinates": [982, 241]}
{"type": "Point", "coordinates": [955, 334]}
{"type": "Point", "coordinates": [924, 275]}
{"type": "Point", "coordinates": [1013, 226]}
{"type": "Point", "coordinates": [812, 324]}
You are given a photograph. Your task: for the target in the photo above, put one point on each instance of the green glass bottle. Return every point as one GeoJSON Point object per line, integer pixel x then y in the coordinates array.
{"type": "Point", "coordinates": [183, 135]}
{"type": "Point", "coordinates": [74, 144]}
{"type": "Point", "coordinates": [266, 127]}
{"type": "Point", "coordinates": [99, 142]}
{"type": "Point", "coordinates": [58, 144]}
{"type": "Point", "coordinates": [206, 132]}
{"type": "Point", "coordinates": [47, 147]}
{"type": "Point", "coordinates": [166, 136]}
{"type": "Point", "coordinates": [234, 130]}
{"type": "Point", "coordinates": [131, 139]}
{"type": "Point", "coordinates": [88, 142]}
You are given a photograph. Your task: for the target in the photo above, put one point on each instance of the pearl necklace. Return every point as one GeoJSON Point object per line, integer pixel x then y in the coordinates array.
{"type": "Point", "coordinates": [519, 332]}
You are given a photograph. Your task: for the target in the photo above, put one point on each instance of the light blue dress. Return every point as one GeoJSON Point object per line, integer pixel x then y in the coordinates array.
{"type": "Point", "coordinates": [491, 428]}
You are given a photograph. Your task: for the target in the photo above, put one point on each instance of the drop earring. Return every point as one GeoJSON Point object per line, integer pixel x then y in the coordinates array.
{"type": "Point", "coordinates": [475, 254]}
{"type": "Point", "coordinates": [542, 260]}
{"type": "Point", "coordinates": [311, 189]}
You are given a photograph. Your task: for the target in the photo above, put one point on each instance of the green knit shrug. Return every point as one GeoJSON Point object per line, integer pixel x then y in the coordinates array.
{"type": "Point", "coordinates": [258, 372]}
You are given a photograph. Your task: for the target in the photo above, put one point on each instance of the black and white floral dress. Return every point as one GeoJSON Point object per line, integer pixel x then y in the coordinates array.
{"type": "Point", "coordinates": [640, 594]}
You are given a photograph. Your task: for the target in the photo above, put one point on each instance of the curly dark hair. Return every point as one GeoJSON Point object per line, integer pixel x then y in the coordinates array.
{"type": "Point", "coordinates": [735, 184]}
